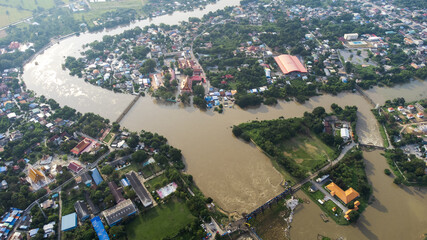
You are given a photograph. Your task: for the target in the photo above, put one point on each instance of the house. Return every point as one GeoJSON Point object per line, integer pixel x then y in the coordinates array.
{"type": "Point", "coordinates": [49, 229]}
{"type": "Point", "coordinates": [86, 179]}
{"type": "Point", "coordinates": [47, 204]}
{"type": "Point", "coordinates": [96, 176]}
{"type": "Point", "coordinates": [116, 192]}
{"type": "Point", "coordinates": [69, 222]}
{"type": "Point", "coordinates": [420, 115]}
{"type": "Point", "coordinates": [411, 107]}
{"type": "Point", "coordinates": [139, 188]}
{"type": "Point", "coordinates": [81, 210]}
{"type": "Point", "coordinates": [345, 134]}
{"type": "Point", "coordinates": [345, 196]}
{"type": "Point", "coordinates": [74, 167]}
{"type": "Point", "coordinates": [81, 146]}
{"type": "Point", "coordinates": [390, 109]}
{"type": "Point", "coordinates": [400, 108]}
{"type": "Point", "coordinates": [3, 185]}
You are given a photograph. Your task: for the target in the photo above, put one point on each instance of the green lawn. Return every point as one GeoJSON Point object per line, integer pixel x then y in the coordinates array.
{"type": "Point", "coordinates": [156, 181]}
{"type": "Point", "coordinates": [99, 8]}
{"type": "Point", "coordinates": [108, 137]}
{"type": "Point", "coordinates": [308, 150]}
{"type": "Point", "coordinates": [28, 4]}
{"type": "Point", "coordinates": [162, 221]}
{"type": "Point", "coordinates": [10, 15]}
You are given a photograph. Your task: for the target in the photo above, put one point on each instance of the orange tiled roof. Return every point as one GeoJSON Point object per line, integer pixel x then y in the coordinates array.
{"type": "Point", "coordinates": [345, 196]}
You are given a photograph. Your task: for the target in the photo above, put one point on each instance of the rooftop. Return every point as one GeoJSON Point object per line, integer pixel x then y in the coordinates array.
{"type": "Point", "coordinates": [82, 210]}
{"type": "Point", "coordinates": [140, 190]}
{"type": "Point", "coordinates": [289, 63]}
{"type": "Point", "coordinates": [345, 196]}
{"type": "Point", "coordinates": [69, 222]}
{"type": "Point", "coordinates": [117, 213]}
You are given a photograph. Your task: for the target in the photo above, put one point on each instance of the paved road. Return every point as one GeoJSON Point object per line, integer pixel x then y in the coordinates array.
{"type": "Point", "coordinates": [58, 189]}
{"type": "Point", "coordinates": [334, 162]}
{"type": "Point", "coordinates": [328, 196]}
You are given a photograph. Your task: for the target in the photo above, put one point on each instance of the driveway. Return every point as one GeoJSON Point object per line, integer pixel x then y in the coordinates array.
{"type": "Point", "coordinates": [328, 196]}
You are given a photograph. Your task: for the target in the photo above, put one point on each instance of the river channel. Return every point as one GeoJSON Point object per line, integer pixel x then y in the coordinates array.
{"type": "Point", "coordinates": [236, 175]}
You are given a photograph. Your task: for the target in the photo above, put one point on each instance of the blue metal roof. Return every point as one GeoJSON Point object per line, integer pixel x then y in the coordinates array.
{"type": "Point", "coordinates": [69, 222]}
{"type": "Point", "coordinates": [96, 176]}
{"type": "Point", "coordinates": [99, 228]}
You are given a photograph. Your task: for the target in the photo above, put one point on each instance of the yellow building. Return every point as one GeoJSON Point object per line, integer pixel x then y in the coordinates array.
{"type": "Point", "coordinates": [345, 196]}
{"type": "Point", "coordinates": [35, 175]}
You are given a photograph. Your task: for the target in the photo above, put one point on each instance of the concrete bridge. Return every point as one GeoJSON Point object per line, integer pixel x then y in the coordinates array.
{"type": "Point", "coordinates": [127, 109]}
{"type": "Point", "coordinates": [371, 146]}
{"type": "Point", "coordinates": [365, 96]}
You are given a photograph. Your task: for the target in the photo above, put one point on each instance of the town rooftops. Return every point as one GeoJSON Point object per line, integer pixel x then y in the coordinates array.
{"type": "Point", "coordinates": [140, 190]}
{"type": "Point", "coordinates": [345, 196]}
{"type": "Point", "coordinates": [117, 213]}
{"type": "Point", "coordinates": [81, 210]}
{"type": "Point", "coordinates": [69, 222]}
{"type": "Point", "coordinates": [73, 166]}
{"type": "Point", "coordinates": [288, 64]}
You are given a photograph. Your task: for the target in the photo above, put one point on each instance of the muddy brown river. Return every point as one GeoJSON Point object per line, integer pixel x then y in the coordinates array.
{"type": "Point", "coordinates": [235, 174]}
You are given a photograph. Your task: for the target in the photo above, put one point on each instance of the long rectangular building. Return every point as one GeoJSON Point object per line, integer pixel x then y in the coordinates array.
{"type": "Point", "coordinates": [288, 64]}
{"type": "Point", "coordinates": [117, 213]}
{"type": "Point", "coordinates": [139, 188]}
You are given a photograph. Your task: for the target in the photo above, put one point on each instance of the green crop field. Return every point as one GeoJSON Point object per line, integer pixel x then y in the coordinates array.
{"type": "Point", "coordinates": [14, 10]}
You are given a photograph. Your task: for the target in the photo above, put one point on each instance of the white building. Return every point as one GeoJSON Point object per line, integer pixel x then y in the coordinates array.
{"type": "Point", "coordinates": [345, 134]}
{"type": "Point", "coordinates": [351, 36]}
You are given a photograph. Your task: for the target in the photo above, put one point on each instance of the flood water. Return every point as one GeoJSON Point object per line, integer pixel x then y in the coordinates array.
{"type": "Point", "coordinates": [397, 212]}
{"type": "Point", "coordinates": [235, 174]}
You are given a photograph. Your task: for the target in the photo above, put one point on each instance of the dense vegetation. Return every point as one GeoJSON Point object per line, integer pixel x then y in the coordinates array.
{"type": "Point", "coordinates": [412, 168]}
{"type": "Point", "coordinates": [269, 135]}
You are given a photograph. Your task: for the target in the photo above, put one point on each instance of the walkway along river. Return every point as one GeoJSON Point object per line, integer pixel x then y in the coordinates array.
{"type": "Point", "coordinates": [235, 174]}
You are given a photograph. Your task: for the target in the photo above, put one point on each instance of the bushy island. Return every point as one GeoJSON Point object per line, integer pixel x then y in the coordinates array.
{"type": "Point", "coordinates": [301, 146]}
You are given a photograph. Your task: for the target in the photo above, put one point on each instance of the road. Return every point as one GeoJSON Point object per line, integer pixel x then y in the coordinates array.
{"type": "Point", "coordinates": [333, 163]}
{"type": "Point", "coordinates": [328, 196]}
{"type": "Point", "coordinates": [58, 189]}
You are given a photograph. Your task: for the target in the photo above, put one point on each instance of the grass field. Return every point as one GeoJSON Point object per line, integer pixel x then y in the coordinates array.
{"type": "Point", "coordinates": [270, 224]}
{"type": "Point", "coordinates": [28, 4]}
{"type": "Point", "coordinates": [308, 150]}
{"type": "Point", "coordinates": [99, 8]}
{"type": "Point", "coordinates": [160, 222]}
{"type": "Point", "coordinates": [13, 10]}
{"type": "Point", "coordinates": [156, 181]}
{"type": "Point", "coordinates": [10, 15]}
